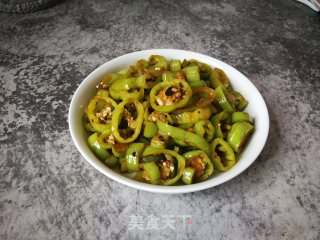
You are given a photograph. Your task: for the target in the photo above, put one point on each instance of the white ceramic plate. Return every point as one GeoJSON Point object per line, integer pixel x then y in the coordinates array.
{"type": "Point", "coordinates": [256, 108]}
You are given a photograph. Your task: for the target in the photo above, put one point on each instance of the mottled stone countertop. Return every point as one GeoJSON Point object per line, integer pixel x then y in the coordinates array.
{"type": "Point", "coordinates": [49, 191]}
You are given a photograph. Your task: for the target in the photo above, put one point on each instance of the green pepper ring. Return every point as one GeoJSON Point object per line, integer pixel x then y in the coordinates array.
{"type": "Point", "coordinates": [170, 108]}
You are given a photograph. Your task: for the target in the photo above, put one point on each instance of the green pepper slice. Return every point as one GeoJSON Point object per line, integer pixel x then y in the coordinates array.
{"type": "Point", "coordinates": [204, 69]}
{"type": "Point", "coordinates": [100, 152]}
{"type": "Point", "coordinates": [219, 78]}
{"type": "Point", "coordinates": [241, 102]}
{"type": "Point", "coordinates": [170, 95]}
{"type": "Point", "coordinates": [188, 175]}
{"type": "Point", "coordinates": [103, 139]}
{"type": "Point", "coordinates": [205, 129]}
{"type": "Point", "coordinates": [240, 116]}
{"type": "Point", "coordinates": [107, 80]}
{"type": "Point", "coordinates": [151, 173]}
{"type": "Point", "coordinates": [100, 111]}
{"type": "Point", "coordinates": [103, 93]}
{"type": "Point", "coordinates": [191, 117]}
{"type": "Point", "coordinates": [195, 84]}
{"type": "Point", "coordinates": [94, 145]}
{"type": "Point", "coordinates": [201, 97]}
{"type": "Point", "coordinates": [168, 173]}
{"type": "Point", "coordinates": [150, 129]}
{"type": "Point", "coordinates": [192, 73]}
{"type": "Point", "coordinates": [147, 80]}
{"type": "Point", "coordinates": [191, 138]}
{"type": "Point", "coordinates": [222, 155]}
{"type": "Point", "coordinates": [238, 135]}
{"type": "Point", "coordinates": [167, 76]}
{"type": "Point", "coordinates": [159, 141]}
{"type": "Point", "coordinates": [225, 99]}
{"type": "Point", "coordinates": [86, 123]}
{"type": "Point", "coordinates": [133, 154]}
{"type": "Point", "coordinates": [175, 65]}
{"type": "Point", "coordinates": [201, 163]}
{"type": "Point", "coordinates": [154, 59]}
{"type": "Point", "coordinates": [126, 88]}
{"type": "Point", "coordinates": [220, 124]}
{"type": "Point", "coordinates": [134, 124]}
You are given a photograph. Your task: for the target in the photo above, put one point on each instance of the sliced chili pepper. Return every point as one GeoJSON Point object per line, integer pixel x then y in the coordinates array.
{"type": "Point", "coordinates": [241, 103]}
{"type": "Point", "coordinates": [239, 116]}
{"type": "Point", "coordinates": [164, 177]}
{"type": "Point", "coordinates": [238, 135]}
{"type": "Point", "coordinates": [162, 103]}
{"type": "Point", "coordinates": [200, 102]}
{"type": "Point", "coordinates": [100, 152]}
{"type": "Point", "coordinates": [205, 129]}
{"type": "Point", "coordinates": [191, 138]}
{"type": "Point", "coordinates": [100, 111]}
{"type": "Point", "coordinates": [203, 113]}
{"type": "Point", "coordinates": [175, 65]}
{"type": "Point", "coordinates": [133, 124]}
{"type": "Point", "coordinates": [133, 154]}
{"type": "Point", "coordinates": [188, 175]}
{"type": "Point", "coordinates": [219, 78]}
{"type": "Point", "coordinates": [192, 73]}
{"type": "Point", "coordinates": [220, 122]}
{"type": "Point", "coordinates": [200, 162]}
{"type": "Point", "coordinates": [225, 99]}
{"type": "Point", "coordinates": [222, 155]}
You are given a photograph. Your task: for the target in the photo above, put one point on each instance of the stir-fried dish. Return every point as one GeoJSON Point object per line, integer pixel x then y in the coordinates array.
{"type": "Point", "coordinates": [167, 122]}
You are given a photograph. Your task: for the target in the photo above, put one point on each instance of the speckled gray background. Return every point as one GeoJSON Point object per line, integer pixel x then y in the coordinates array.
{"type": "Point", "coordinates": [48, 191]}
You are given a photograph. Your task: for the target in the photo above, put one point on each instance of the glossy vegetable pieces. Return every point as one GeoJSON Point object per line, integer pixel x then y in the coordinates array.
{"type": "Point", "coordinates": [190, 138]}
{"type": "Point", "coordinates": [147, 80]}
{"type": "Point", "coordinates": [167, 171]}
{"type": "Point", "coordinates": [220, 122]}
{"type": "Point", "coordinates": [167, 122]}
{"type": "Point", "coordinates": [225, 100]}
{"type": "Point", "coordinates": [240, 116]}
{"type": "Point", "coordinates": [201, 163]}
{"type": "Point", "coordinates": [133, 154]}
{"type": "Point", "coordinates": [197, 84]}
{"type": "Point", "coordinates": [150, 129]}
{"type": "Point", "coordinates": [100, 152]}
{"type": "Point", "coordinates": [192, 73]}
{"type": "Point", "coordinates": [188, 175]}
{"type": "Point", "coordinates": [100, 111]}
{"type": "Point", "coordinates": [151, 173]}
{"type": "Point", "coordinates": [222, 155]}
{"type": "Point", "coordinates": [191, 117]}
{"type": "Point", "coordinates": [133, 120]}
{"type": "Point", "coordinates": [103, 139]}
{"type": "Point", "coordinates": [159, 141]}
{"type": "Point", "coordinates": [126, 88]}
{"type": "Point", "coordinates": [201, 97]}
{"type": "Point", "coordinates": [219, 78]}
{"type": "Point", "coordinates": [86, 123]}
{"type": "Point", "coordinates": [96, 148]}
{"type": "Point", "coordinates": [205, 129]}
{"type": "Point", "coordinates": [167, 76]}
{"type": "Point", "coordinates": [170, 95]}
{"type": "Point", "coordinates": [238, 135]}
{"type": "Point", "coordinates": [175, 65]}
{"type": "Point", "coordinates": [107, 80]}
{"type": "Point", "coordinates": [204, 69]}
{"type": "Point", "coordinates": [155, 59]}
{"type": "Point", "coordinates": [240, 102]}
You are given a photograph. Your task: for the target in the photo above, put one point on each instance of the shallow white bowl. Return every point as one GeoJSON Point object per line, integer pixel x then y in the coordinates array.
{"type": "Point", "coordinates": [256, 108]}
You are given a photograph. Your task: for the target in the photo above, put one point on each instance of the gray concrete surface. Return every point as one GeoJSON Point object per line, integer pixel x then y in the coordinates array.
{"type": "Point", "coordinates": [48, 190]}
